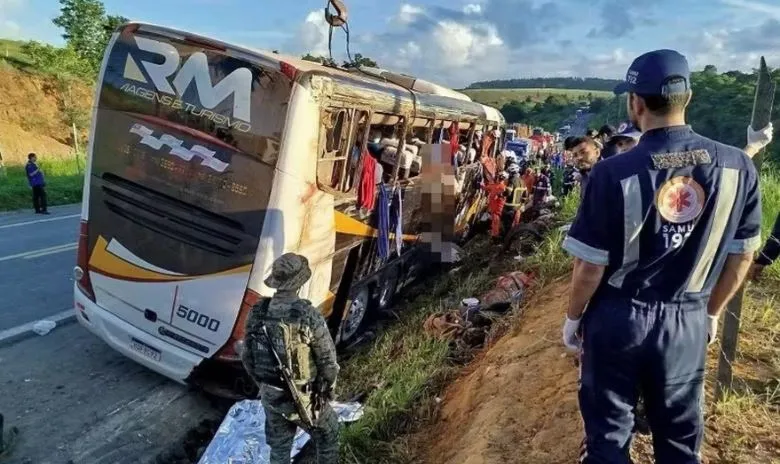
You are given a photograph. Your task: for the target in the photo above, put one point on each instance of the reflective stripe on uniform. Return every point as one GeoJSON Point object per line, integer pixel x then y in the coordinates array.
{"type": "Point", "coordinates": [727, 194]}
{"type": "Point", "coordinates": [746, 245]}
{"type": "Point", "coordinates": [585, 252]}
{"type": "Point", "coordinates": [632, 227]}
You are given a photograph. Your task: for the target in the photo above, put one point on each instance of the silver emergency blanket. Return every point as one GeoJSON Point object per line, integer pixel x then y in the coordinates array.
{"type": "Point", "coordinates": [240, 438]}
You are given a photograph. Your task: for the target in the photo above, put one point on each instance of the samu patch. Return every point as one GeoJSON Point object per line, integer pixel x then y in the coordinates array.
{"type": "Point", "coordinates": [681, 159]}
{"type": "Point", "coordinates": [680, 199]}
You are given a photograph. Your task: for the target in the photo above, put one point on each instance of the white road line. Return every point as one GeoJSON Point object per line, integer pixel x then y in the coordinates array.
{"type": "Point", "coordinates": [37, 221]}
{"type": "Point", "coordinates": [41, 252]}
{"type": "Point", "coordinates": [20, 329]}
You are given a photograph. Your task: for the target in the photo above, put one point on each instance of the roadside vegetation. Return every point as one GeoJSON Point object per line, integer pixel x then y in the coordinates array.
{"type": "Point", "coordinates": [64, 183]}
{"type": "Point", "coordinates": [500, 97]}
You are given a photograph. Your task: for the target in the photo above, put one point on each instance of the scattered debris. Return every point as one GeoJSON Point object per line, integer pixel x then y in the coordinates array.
{"type": "Point", "coordinates": [470, 325]}
{"type": "Point", "coordinates": [241, 436]}
{"type": "Point", "coordinates": [510, 288]}
{"type": "Point", "coordinates": [44, 327]}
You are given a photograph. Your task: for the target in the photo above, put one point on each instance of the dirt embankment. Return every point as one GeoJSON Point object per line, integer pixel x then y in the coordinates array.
{"type": "Point", "coordinates": [516, 404]}
{"type": "Point", "coordinates": [35, 114]}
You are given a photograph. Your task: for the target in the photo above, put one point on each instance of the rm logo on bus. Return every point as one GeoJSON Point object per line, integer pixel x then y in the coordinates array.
{"type": "Point", "coordinates": [238, 83]}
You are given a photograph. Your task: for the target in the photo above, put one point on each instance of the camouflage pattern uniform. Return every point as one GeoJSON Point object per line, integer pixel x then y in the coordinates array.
{"type": "Point", "coordinates": [300, 337]}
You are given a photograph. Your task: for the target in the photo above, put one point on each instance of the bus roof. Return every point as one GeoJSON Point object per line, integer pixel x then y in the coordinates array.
{"type": "Point", "coordinates": [348, 85]}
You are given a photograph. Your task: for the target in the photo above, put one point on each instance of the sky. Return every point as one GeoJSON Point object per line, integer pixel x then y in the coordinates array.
{"type": "Point", "coordinates": [456, 42]}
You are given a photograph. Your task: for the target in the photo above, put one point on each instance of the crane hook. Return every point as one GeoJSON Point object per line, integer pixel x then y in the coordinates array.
{"type": "Point", "coordinates": [338, 19]}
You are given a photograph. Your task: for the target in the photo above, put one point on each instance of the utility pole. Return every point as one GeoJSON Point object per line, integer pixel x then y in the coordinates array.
{"type": "Point", "coordinates": [762, 112]}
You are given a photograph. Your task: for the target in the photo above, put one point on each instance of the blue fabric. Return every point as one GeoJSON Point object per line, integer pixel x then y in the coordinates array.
{"type": "Point", "coordinates": [396, 219]}
{"type": "Point", "coordinates": [34, 175]}
{"type": "Point", "coordinates": [384, 220]}
{"type": "Point", "coordinates": [657, 350]}
{"type": "Point", "coordinates": [668, 251]}
{"type": "Point", "coordinates": [649, 74]}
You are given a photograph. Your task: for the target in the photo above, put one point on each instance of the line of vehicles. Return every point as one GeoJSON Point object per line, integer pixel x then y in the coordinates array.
{"type": "Point", "coordinates": [208, 160]}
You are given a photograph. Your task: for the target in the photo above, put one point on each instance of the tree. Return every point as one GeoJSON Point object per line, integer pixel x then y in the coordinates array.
{"type": "Point", "coordinates": [360, 60]}
{"type": "Point", "coordinates": [87, 28]}
{"type": "Point", "coordinates": [83, 21]}
{"type": "Point", "coordinates": [111, 23]}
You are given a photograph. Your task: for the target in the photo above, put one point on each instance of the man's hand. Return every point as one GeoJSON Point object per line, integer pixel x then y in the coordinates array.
{"type": "Point", "coordinates": [759, 139]}
{"type": "Point", "coordinates": [755, 272]}
{"type": "Point", "coordinates": [712, 329]}
{"type": "Point", "coordinates": [570, 337]}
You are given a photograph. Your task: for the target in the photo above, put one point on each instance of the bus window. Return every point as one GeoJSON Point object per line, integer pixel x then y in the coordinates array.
{"type": "Point", "coordinates": [386, 149]}
{"type": "Point", "coordinates": [358, 143]}
{"type": "Point", "coordinates": [333, 156]}
{"type": "Point", "coordinates": [411, 163]}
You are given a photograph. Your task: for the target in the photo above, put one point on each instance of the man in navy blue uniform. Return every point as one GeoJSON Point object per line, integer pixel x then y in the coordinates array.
{"type": "Point", "coordinates": [663, 239]}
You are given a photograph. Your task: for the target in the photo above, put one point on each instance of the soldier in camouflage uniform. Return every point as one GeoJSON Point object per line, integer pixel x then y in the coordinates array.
{"type": "Point", "coordinates": [300, 337]}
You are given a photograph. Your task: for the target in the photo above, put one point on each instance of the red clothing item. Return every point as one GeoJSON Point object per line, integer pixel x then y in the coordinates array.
{"type": "Point", "coordinates": [488, 168]}
{"type": "Point", "coordinates": [487, 144]}
{"type": "Point", "coordinates": [530, 182]}
{"type": "Point", "coordinates": [496, 200]}
{"type": "Point", "coordinates": [454, 140]}
{"type": "Point", "coordinates": [367, 192]}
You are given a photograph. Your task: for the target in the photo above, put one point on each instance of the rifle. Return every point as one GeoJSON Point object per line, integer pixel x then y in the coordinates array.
{"type": "Point", "coordinates": [286, 376]}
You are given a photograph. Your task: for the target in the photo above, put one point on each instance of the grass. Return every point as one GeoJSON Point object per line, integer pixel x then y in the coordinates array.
{"type": "Point", "coordinates": [64, 183]}
{"type": "Point", "coordinates": [744, 426]}
{"type": "Point", "coordinates": [403, 370]}
{"type": "Point", "coordinates": [500, 97]}
{"type": "Point", "coordinates": [11, 53]}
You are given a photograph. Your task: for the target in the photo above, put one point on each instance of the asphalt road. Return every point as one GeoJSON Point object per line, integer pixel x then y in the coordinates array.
{"type": "Point", "coordinates": [73, 398]}
{"type": "Point", "coordinates": [37, 255]}
{"type": "Point", "coordinates": [580, 125]}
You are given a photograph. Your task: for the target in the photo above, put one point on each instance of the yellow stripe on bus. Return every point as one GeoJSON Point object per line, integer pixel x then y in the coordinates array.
{"type": "Point", "coordinates": [346, 224]}
{"type": "Point", "coordinates": [106, 263]}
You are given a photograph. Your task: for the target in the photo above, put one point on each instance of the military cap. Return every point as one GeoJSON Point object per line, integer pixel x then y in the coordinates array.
{"type": "Point", "coordinates": [289, 272]}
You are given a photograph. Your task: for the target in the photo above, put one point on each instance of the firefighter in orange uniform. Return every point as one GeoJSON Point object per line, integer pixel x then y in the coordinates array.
{"type": "Point", "coordinates": [496, 200]}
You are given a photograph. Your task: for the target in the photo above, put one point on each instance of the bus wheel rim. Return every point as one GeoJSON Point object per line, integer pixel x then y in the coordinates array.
{"type": "Point", "coordinates": [387, 291]}
{"type": "Point", "coordinates": [357, 311]}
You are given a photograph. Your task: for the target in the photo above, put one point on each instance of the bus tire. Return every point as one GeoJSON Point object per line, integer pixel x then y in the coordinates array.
{"type": "Point", "coordinates": [387, 287]}
{"type": "Point", "coordinates": [355, 315]}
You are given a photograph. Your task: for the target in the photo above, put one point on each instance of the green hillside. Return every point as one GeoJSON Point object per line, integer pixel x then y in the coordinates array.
{"type": "Point", "coordinates": [500, 97]}
{"type": "Point", "coordinates": [11, 53]}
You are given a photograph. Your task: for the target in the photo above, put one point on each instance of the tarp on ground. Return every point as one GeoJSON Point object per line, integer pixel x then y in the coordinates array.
{"type": "Point", "coordinates": [240, 438]}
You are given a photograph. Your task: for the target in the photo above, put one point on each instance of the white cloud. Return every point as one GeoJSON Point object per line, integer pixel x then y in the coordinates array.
{"type": "Point", "coordinates": [736, 48]}
{"type": "Point", "coordinates": [313, 35]}
{"type": "Point", "coordinates": [758, 7]}
{"type": "Point", "coordinates": [479, 41]}
{"type": "Point", "coordinates": [472, 8]}
{"type": "Point", "coordinates": [408, 13]}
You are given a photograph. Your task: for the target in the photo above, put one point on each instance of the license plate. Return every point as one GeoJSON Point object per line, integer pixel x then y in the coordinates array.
{"type": "Point", "coordinates": [146, 350]}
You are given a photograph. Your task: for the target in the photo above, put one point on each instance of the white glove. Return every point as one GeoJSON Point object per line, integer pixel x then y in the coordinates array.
{"type": "Point", "coordinates": [712, 329]}
{"type": "Point", "coordinates": [570, 337]}
{"type": "Point", "coordinates": [760, 138]}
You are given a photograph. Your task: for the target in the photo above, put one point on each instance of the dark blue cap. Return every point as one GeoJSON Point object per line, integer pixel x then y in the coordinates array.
{"type": "Point", "coordinates": [651, 73]}
{"type": "Point", "coordinates": [627, 129]}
